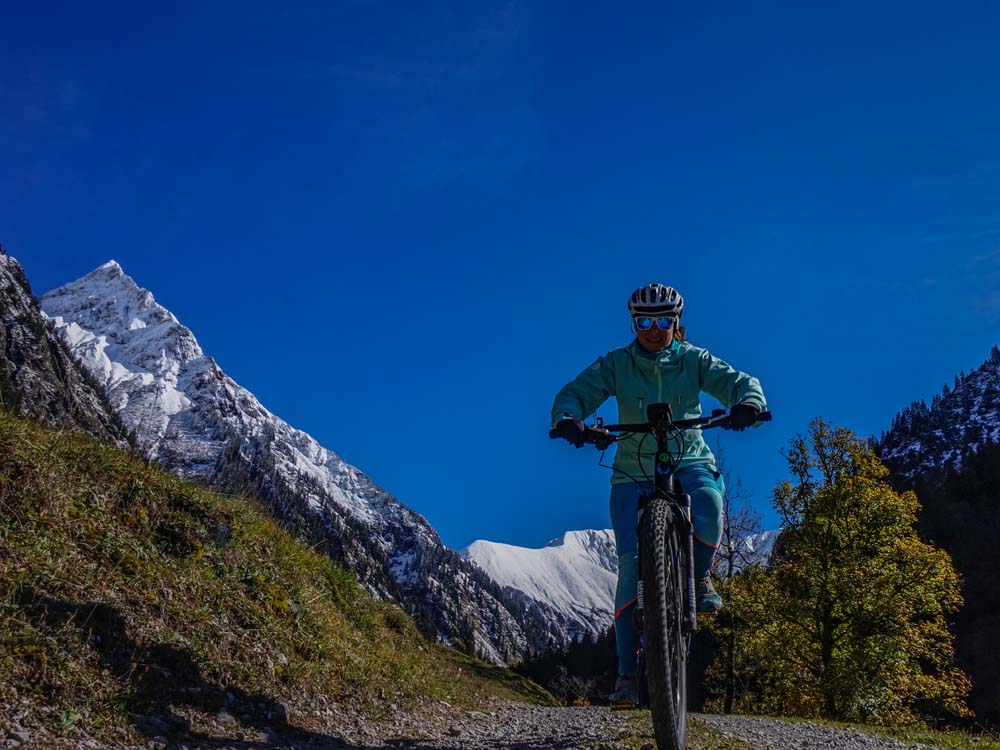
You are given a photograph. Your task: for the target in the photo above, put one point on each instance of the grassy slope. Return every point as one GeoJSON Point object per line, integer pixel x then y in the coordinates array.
{"type": "Point", "coordinates": [124, 591]}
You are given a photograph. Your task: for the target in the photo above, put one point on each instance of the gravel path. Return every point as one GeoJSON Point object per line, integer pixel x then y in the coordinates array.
{"type": "Point", "coordinates": [497, 727]}
{"type": "Point", "coordinates": [501, 726]}
{"type": "Point", "coordinates": [765, 734]}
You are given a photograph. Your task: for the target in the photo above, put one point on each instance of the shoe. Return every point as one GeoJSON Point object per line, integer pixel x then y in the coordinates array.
{"type": "Point", "coordinates": [708, 599]}
{"type": "Point", "coordinates": [626, 694]}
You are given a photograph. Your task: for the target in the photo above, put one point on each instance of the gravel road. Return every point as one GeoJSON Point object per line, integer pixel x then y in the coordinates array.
{"type": "Point", "coordinates": [765, 734]}
{"type": "Point", "coordinates": [502, 726]}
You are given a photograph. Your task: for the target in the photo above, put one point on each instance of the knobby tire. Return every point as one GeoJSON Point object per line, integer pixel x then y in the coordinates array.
{"type": "Point", "coordinates": [664, 574]}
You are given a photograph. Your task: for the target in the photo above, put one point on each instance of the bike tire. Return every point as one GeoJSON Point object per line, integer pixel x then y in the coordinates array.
{"type": "Point", "coordinates": [664, 576]}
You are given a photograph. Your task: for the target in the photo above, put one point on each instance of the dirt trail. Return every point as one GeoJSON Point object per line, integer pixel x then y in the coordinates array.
{"type": "Point", "coordinates": [502, 726]}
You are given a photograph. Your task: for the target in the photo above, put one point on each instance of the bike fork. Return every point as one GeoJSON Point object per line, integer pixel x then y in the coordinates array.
{"type": "Point", "coordinates": [691, 619]}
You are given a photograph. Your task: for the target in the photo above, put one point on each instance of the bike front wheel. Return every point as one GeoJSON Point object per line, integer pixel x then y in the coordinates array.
{"type": "Point", "coordinates": [664, 575]}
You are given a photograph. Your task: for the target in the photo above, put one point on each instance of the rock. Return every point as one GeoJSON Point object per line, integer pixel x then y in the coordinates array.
{"type": "Point", "coordinates": [454, 730]}
{"type": "Point", "coordinates": [278, 714]}
{"type": "Point", "coordinates": [226, 718]}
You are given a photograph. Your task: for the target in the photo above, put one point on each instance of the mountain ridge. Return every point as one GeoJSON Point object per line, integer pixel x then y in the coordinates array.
{"type": "Point", "coordinates": [571, 579]}
{"type": "Point", "coordinates": [196, 421]}
{"type": "Point", "coordinates": [926, 440]}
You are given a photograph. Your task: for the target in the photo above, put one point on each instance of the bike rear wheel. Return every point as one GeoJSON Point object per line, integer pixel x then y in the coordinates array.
{"type": "Point", "coordinates": [664, 578]}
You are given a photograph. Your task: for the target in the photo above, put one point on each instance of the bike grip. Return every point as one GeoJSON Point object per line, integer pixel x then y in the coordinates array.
{"type": "Point", "coordinates": [764, 416]}
{"type": "Point", "coordinates": [553, 434]}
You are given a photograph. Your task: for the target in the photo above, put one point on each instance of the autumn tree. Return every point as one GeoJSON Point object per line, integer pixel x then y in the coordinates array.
{"type": "Point", "coordinates": [729, 673]}
{"type": "Point", "coordinates": [849, 621]}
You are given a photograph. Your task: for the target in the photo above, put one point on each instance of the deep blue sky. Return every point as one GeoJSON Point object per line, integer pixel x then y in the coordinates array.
{"type": "Point", "coordinates": [405, 226]}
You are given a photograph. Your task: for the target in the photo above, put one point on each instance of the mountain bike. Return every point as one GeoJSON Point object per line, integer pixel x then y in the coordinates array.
{"type": "Point", "coordinates": [666, 608]}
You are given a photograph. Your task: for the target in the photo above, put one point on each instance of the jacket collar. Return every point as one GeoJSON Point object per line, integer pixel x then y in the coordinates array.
{"type": "Point", "coordinates": [667, 356]}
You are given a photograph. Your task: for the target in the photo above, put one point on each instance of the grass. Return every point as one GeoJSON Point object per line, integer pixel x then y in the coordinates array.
{"type": "Point", "coordinates": [943, 739]}
{"type": "Point", "coordinates": [126, 591]}
{"type": "Point", "coordinates": [635, 730]}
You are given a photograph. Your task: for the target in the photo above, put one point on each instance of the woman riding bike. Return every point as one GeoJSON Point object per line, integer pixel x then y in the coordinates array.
{"type": "Point", "coordinates": [660, 366]}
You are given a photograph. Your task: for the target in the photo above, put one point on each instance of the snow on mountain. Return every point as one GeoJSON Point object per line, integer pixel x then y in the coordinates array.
{"type": "Point", "coordinates": [196, 421]}
{"type": "Point", "coordinates": [573, 575]}
{"type": "Point", "coordinates": [572, 579]}
{"type": "Point", "coordinates": [177, 399]}
{"type": "Point", "coordinates": [754, 549]}
{"type": "Point", "coordinates": [923, 440]}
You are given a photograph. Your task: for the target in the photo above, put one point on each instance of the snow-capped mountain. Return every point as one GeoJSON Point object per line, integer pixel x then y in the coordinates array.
{"type": "Point", "coordinates": [754, 549]}
{"type": "Point", "coordinates": [926, 439]}
{"type": "Point", "coordinates": [197, 422]}
{"type": "Point", "coordinates": [572, 578]}
{"type": "Point", "coordinates": [38, 377]}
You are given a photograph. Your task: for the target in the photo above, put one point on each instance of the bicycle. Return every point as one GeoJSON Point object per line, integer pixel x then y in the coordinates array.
{"type": "Point", "coordinates": [666, 608]}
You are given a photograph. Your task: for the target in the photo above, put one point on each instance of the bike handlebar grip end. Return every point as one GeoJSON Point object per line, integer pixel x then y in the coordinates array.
{"type": "Point", "coordinates": [764, 416]}
{"type": "Point", "coordinates": [553, 434]}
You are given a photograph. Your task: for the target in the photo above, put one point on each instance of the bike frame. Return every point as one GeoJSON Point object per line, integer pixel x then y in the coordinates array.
{"type": "Point", "coordinates": [666, 486]}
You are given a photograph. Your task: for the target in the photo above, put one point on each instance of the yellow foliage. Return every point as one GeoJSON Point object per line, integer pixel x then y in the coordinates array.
{"type": "Point", "coordinates": [849, 621]}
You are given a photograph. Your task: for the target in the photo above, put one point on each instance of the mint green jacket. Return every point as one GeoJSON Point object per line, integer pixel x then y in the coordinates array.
{"type": "Point", "coordinates": [637, 378]}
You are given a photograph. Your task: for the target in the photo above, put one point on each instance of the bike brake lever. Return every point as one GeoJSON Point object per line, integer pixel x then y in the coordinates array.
{"type": "Point", "coordinates": [602, 438]}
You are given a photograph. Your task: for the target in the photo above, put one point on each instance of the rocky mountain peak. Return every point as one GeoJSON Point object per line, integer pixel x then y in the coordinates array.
{"type": "Point", "coordinates": [926, 439]}
{"type": "Point", "coordinates": [115, 312]}
{"type": "Point", "coordinates": [198, 423]}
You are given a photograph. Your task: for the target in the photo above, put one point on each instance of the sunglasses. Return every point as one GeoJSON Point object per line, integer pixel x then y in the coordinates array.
{"type": "Point", "coordinates": [644, 323]}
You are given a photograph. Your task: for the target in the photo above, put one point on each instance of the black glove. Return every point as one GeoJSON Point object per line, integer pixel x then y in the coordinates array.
{"type": "Point", "coordinates": [572, 430]}
{"type": "Point", "coordinates": [743, 415]}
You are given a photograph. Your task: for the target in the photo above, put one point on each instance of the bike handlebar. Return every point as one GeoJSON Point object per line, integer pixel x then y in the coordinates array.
{"type": "Point", "coordinates": [600, 434]}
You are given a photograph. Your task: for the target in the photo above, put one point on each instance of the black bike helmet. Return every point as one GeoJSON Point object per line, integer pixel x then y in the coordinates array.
{"type": "Point", "coordinates": [655, 300]}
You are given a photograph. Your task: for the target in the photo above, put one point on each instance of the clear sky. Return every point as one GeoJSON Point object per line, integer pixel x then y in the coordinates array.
{"type": "Point", "coordinates": [405, 226]}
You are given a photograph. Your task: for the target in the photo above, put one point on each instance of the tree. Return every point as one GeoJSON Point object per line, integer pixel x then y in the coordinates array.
{"type": "Point", "coordinates": [728, 671]}
{"type": "Point", "coordinates": [854, 624]}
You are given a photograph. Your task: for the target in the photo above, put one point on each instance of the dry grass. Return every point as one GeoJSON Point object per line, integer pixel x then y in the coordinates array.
{"type": "Point", "coordinates": [124, 590]}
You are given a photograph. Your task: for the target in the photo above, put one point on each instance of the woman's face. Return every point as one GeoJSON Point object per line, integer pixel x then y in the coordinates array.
{"type": "Point", "coordinates": [655, 339]}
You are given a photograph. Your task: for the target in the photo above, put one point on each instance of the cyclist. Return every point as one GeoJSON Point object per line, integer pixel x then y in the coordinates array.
{"type": "Point", "coordinates": [659, 366]}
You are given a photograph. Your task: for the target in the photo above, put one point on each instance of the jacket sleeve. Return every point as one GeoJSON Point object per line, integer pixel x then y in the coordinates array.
{"type": "Point", "coordinates": [581, 396]}
{"type": "Point", "coordinates": [728, 385]}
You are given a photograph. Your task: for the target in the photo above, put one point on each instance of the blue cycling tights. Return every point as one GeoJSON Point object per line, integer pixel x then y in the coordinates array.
{"type": "Point", "coordinates": [705, 486]}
